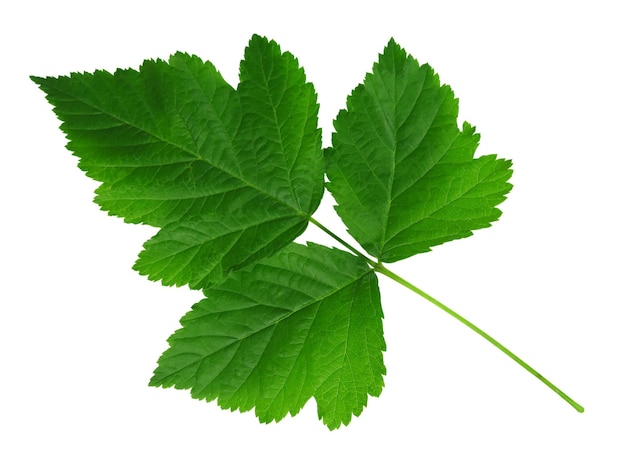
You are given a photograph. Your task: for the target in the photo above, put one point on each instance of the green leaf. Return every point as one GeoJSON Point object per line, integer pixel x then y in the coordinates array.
{"type": "Point", "coordinates": [232, 177]}
{"type": "Point", "coordinates": [229, 175]}
{"type": "Point", "coordinates": [403, 175]}
{"type": "Point", "coordinates": [306, 322]}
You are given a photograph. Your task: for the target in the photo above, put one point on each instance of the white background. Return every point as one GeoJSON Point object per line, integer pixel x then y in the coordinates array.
{"type": "Point", "coordinates": [544, 82]}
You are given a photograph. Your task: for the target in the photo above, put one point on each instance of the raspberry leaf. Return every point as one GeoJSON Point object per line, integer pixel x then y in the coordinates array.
{"type": "Point", "coordinates": [305, 322]}
{"type": "Point", "coordinates": [229, 175]}
{"type": "Point", "coordinates": [232, 176]}
{"type": "Point", "coordinates": [402, 172]}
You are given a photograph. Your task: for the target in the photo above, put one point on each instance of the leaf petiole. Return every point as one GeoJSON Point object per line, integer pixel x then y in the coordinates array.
{"type": "Point", "coordinates": [379, 267]}
{"type": "Point", "coordinates": [371, 262]}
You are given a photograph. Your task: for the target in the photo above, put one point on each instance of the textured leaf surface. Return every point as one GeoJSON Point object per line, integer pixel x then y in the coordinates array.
{"type": "Point", "coordinates": [230, 175]}
{"type": "Point", "coordinates": [303, 323]}
{"type": "Point", "coordinates": [403, 174]}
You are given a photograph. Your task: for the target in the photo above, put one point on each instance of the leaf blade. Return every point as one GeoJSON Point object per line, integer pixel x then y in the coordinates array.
{"type": "Point", "coordinates": [384, 182]}
{"type": "Point", "coordinates": [290, 327]}
{"type": "Point", "coordinates": [173, 145]}
{"type": "Point", "coordinates": [197, 252]}
{"type": "Point", "coordinates": [280, 118]}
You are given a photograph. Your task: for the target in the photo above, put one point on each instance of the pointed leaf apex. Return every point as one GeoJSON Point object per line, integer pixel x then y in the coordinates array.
{"type": "Point", "coordinates": [392, 43]}
{"type": "Point", "coordinates": [394, 48]}
{"type": "Point", "coordinates": [257, 37]}
{"type": "Point", "coordinates": [261, 41]}
{"type": "Point", "coordinates": [417, 150]}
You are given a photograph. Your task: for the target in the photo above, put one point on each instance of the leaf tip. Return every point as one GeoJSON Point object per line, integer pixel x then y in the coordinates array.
{"type": "Point", "coordinates": [257, 37]}
{"type": "Point", "coordinates": [260, 41]}
{"type": "Point", "coordinates": [394, 49]}
{"type": "Point", "coordinates": [392, 43]}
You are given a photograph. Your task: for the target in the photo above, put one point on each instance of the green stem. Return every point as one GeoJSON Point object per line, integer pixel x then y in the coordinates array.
{"type": "Point", "coordinates": [382, 269]}
{"type": "Point", "coordinates": [342, 241]}
{"type": "Point", "coordinates": [379, 267]}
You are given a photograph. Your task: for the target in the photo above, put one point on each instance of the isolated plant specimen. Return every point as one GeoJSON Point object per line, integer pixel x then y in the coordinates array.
{"type": "Point", "coordinates": [233, 176]}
